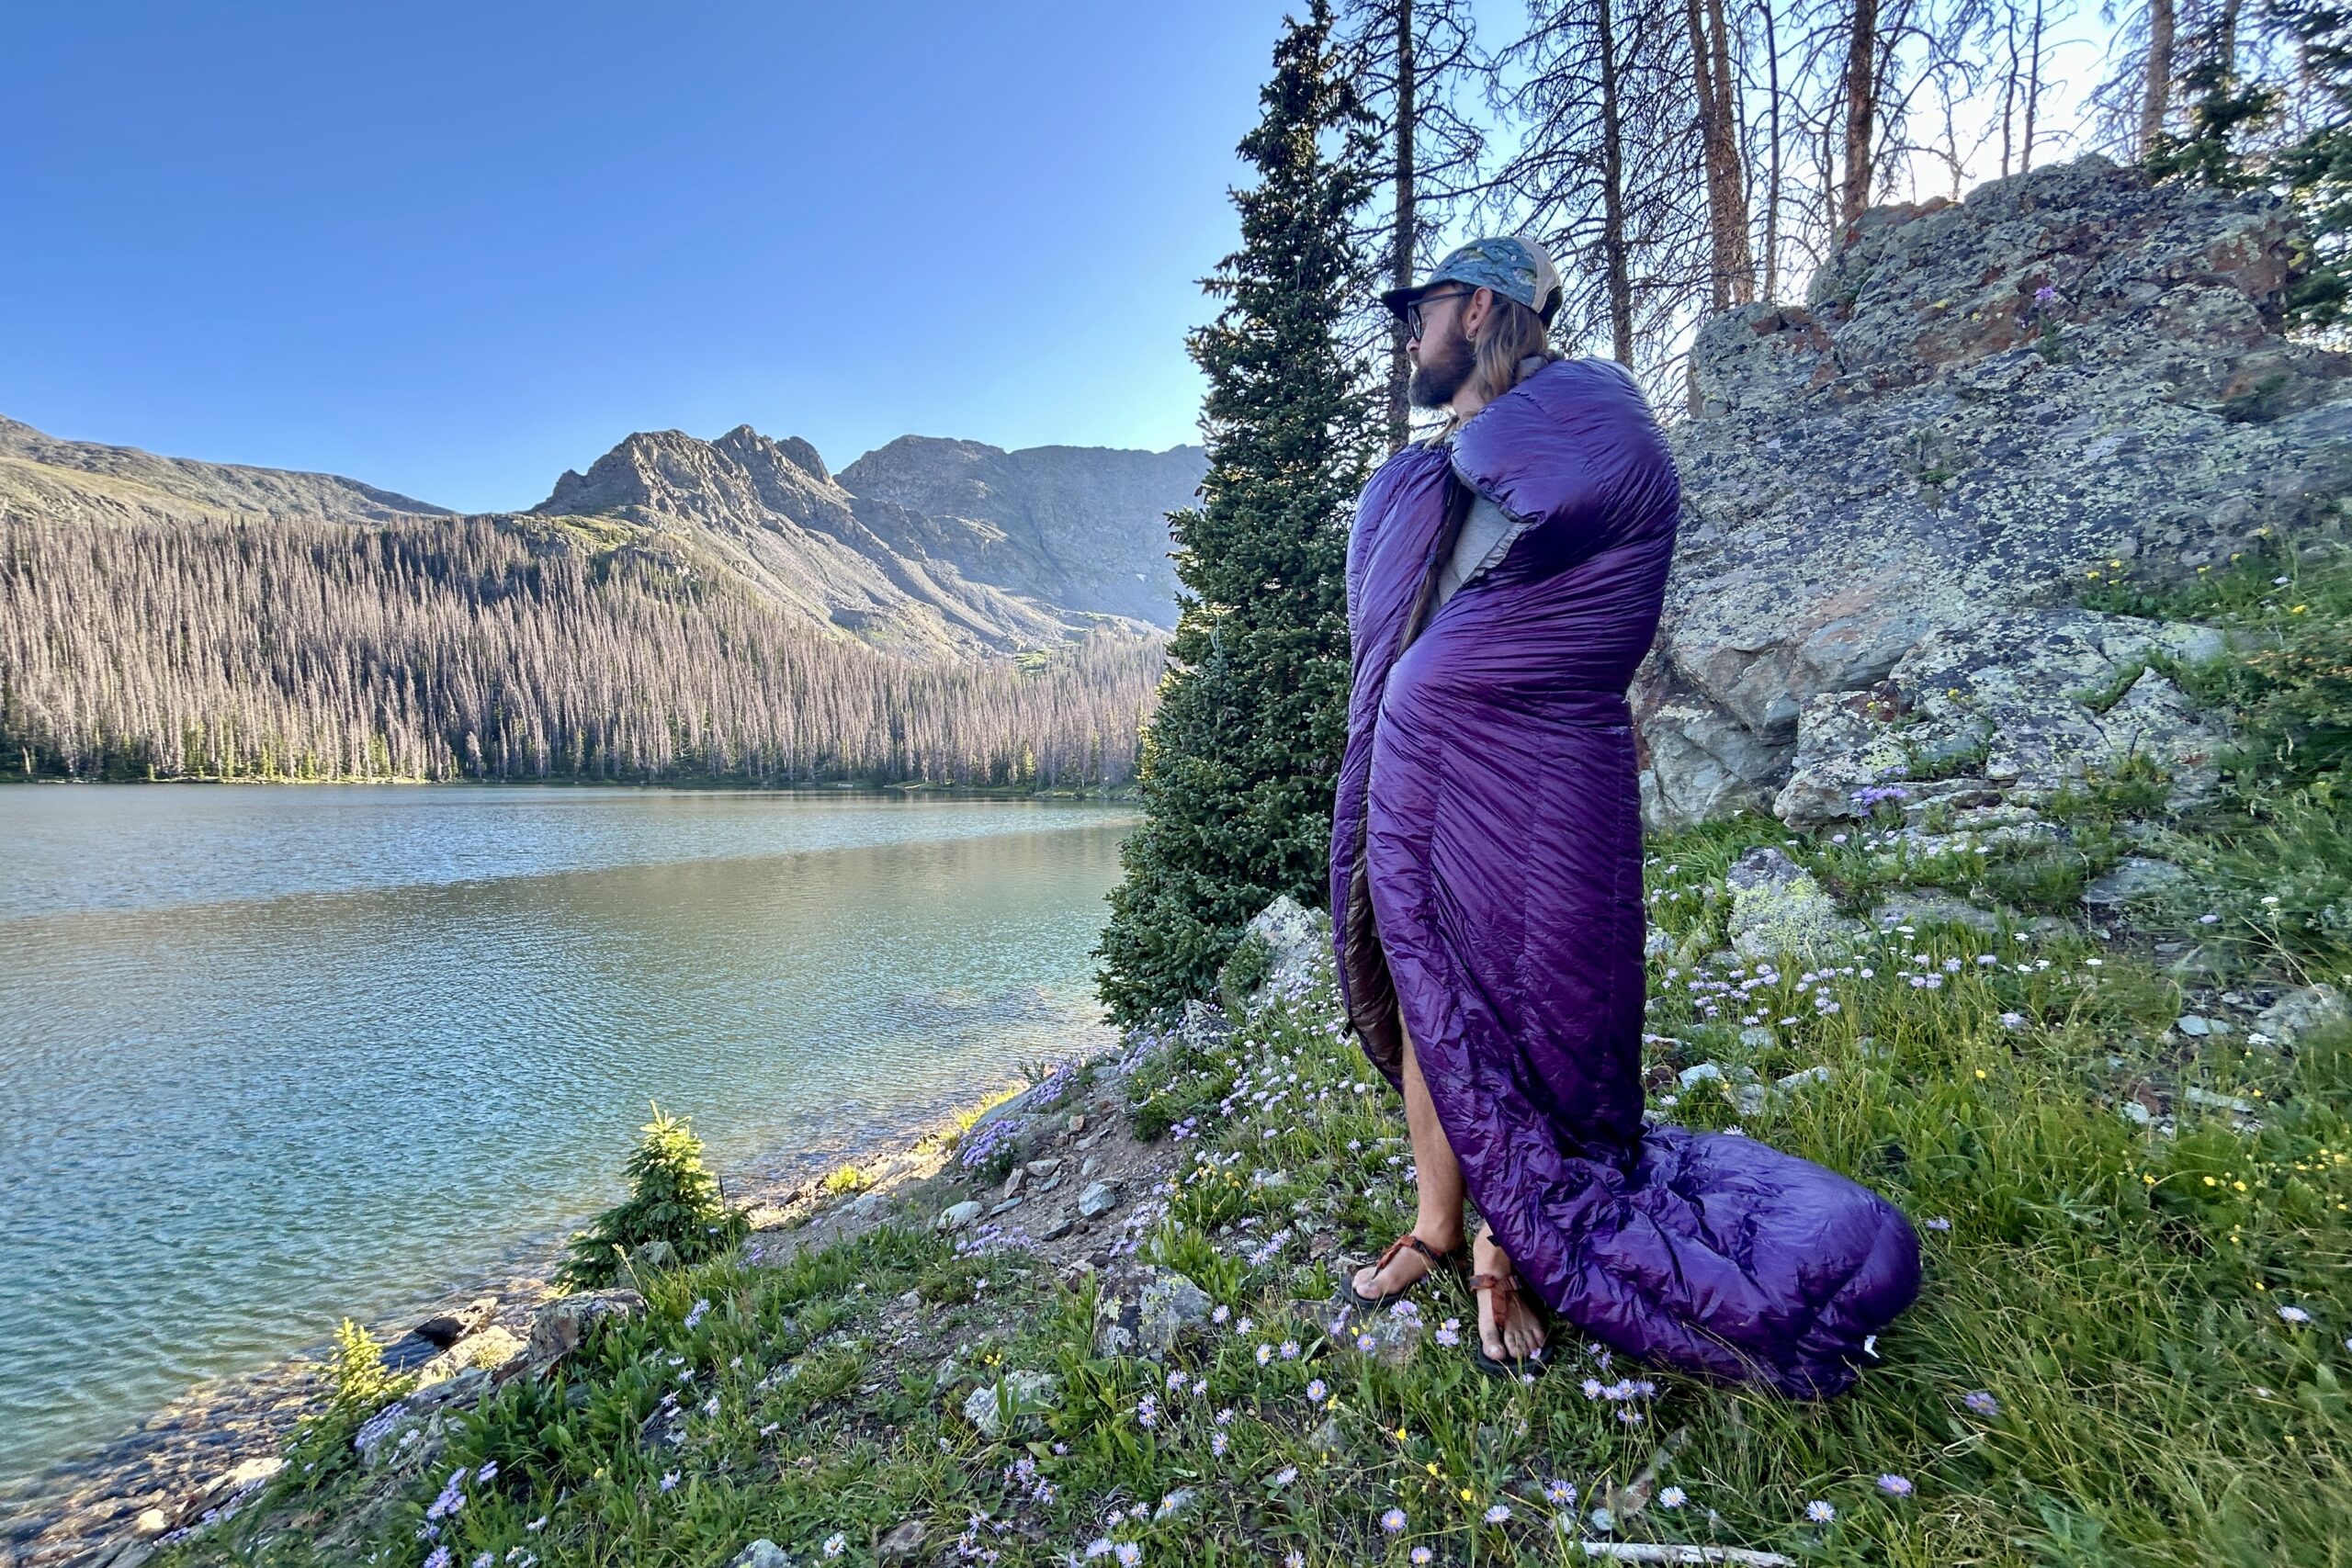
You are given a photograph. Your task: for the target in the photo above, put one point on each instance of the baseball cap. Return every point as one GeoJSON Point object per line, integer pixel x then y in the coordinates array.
{"type": "Point", "coordinates": [1512, 265]}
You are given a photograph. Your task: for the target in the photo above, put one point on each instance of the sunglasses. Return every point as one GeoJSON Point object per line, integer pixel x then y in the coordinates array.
{"type": "Point", "coordinates": [1413, 310]}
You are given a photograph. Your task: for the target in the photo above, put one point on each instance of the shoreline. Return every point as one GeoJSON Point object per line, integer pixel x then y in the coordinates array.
{"type": "Point", "coordinates": [1126, 793]}
{"type": "Point", "coordinates": [81, 1509]}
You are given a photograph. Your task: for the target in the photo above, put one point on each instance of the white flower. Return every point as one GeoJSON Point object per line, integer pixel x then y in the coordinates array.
{"type": "Point", "coordinates": [836, 1543]}
{"type": "Point", "coordinates": [1672, 1497]}
{"type": "Point", "coordinates": [1819, 1512]}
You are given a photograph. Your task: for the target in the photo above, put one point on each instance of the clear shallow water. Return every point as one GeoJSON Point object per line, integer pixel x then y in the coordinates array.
{"type": "Point", "coordinates": [271, 1056]}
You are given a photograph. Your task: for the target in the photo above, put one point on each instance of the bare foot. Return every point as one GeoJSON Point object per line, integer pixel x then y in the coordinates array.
{"type": "Point", "coordinates": [1401, 1271]}
{"type": "Point", "coordinates": [1522, 1334]}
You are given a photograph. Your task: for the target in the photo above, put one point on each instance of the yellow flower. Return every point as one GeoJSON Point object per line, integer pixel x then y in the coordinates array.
{"type": "Point", "coordinates": [1980, 1072]}
{"type": "Point", "coordinates": [1468, 1495]}
{"type": "Point", "coordinates": [2211, 1182]}
{"type": "Point", "coordinates": [2298, 609]}
{"type": "Point", "coordinates": [1433, 1467]}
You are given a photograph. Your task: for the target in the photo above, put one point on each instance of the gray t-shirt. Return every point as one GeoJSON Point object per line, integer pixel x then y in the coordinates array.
{"type": "Point", "coordinates": [1487, 536]}
{"type": "Point", "coordinates": [1488, 533]}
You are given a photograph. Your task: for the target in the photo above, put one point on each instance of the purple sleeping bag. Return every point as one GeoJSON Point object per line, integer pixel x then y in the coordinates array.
{"type": "Point", "coordinates": [1486, 887]}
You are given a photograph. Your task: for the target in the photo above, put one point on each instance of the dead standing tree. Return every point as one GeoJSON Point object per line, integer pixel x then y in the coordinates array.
{"type": "Point", "coordinates": [1414, 64]}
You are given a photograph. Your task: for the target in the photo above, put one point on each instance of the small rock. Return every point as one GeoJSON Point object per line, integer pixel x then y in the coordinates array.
{"type": "Point", "coordinates": [2136, 1113]}
{"type": "Point", "coordinates": [1012, 1182]}
{"type": "Point", "coordinates": [904, 1540]}
{"type": "Point", "coordinates": [957, 1216]}
{"type": "Point", "coordinates": [1778, 908]}
{"type": "Point", "coordinates": [910, 1300]}
{"type": "Point", "coordinates": [1008, 1203]}
{"type": "Point", "coordinates": [1099, 1198]}
{"type": "Point", "coordinates": [1027, 1392]}
{"type": "Point", "coordinates": [445, 1329]}
{"type": "Point", "coordinates": [2134, 877]}
{"type": "Point", "coordinates": [760, 1553]}
{"type": "Point", "coordinates": [1750, 1099]}
{"type": "Point", "coordinates": [2192, 1025]}
{"type": "Point", "coordinates": [2299, 1013]}
{"type": "Point", "coordinates": [1041, 1168]}
{"type": "Point", "coordinates": [1177, 1504]}
{"type": "Point", "coordinates": [1329, 1439]}
{"type": "Point", "coordinates": [2218, 1101]}
{"type": "Point", "coordinates": [1690, 1077]}
{"type": "Point", "coordinates": [1755, 1037]}
{"type": "Point", "coordinates": [150, 1523]}
{"type": "Point", "coordinates": [1145, 1315]}
{"type": "Point", "coordinates": [490, 1350]}
{"type": "Point", "coordinates": [1058, 1228]}
{"type": "Point", "coordinates": [1803, 1076]}
{"type": "Point", "coordinates": [564, 1322]}
{"type": "Point", "coordinates": [1077, 1123]}
{"type": "Point", "coordinates": [1931, 905]}
{"type": "Point", "coordinates": [652, 1257]}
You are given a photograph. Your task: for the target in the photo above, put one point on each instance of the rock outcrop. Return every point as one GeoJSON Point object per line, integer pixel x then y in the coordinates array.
{"type": "Point", "coordinates": [1896, 496]}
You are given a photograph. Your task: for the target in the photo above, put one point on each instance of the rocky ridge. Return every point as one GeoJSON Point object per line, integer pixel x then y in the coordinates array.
{"type": "Point", "coordinates": [1896, 496]}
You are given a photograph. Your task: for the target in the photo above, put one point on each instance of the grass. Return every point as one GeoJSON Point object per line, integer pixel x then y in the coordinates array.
{"type": "Point", "coordinates": [2131, 1346]}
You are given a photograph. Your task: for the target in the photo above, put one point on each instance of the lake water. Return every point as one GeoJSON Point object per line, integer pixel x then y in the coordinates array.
{"type": "Point", "coordinates": [273, 1056]}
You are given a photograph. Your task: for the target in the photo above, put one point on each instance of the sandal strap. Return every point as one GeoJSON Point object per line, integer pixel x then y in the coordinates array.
{"type": "Point", "coordinates": [1417, 1244]}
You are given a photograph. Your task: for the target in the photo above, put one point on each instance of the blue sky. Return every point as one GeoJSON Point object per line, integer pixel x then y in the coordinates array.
{"type": "Point", "coordinates": [453, 250]}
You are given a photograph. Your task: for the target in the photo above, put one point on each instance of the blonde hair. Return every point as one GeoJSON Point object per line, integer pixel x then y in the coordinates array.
{"type": "Point", "coordinates": [1509, 334]}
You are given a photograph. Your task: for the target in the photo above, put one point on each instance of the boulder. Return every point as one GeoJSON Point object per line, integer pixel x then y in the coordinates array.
{"type": "Point", "coordinates": [902, 1541]}
{"type": "Point", "coordinates": [2299, 1013]}
{"type": "Point", "coordinates": [1144, 1313]}
{"type": "Point", "coordinates": [1098, 1197]}
{"type": "Point", "coordinates": [1777, 908]}
{"type": "Point", "coordinates": [1897, 495]}
{"type": "Point", "coordinates": [446, 1328]}
{"type": "Point", "coordinates": [563, 1324]}
{"type": "Point", "coordinates": [488, 1351]}
{"type": "Point", "coordinates": [1027, 1394]}
{"type": "Point", "coordinates": [957, 1216]}
{"type": "Point", "coordinates": [2130, 880]}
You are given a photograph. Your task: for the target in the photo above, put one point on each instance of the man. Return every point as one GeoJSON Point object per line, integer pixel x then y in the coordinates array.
{"type": "Point", "coordinates": [1504, 580]}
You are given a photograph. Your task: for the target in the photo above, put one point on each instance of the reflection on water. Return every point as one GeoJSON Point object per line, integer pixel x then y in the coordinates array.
{"type": "Point", "coordinates": [268, 1057]}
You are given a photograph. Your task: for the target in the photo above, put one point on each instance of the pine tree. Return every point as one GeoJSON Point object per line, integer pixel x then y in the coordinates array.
{"type": "Point", "coordinates": [1240, 758]}
{"type": "Point", "coordinates": [674, 1198]}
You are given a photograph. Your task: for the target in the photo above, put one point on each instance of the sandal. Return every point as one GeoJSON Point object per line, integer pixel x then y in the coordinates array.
{"type": "Point", "coordinates": [1506, 1291]}
{"type": "Point", "coordinates": [1452, 1258]}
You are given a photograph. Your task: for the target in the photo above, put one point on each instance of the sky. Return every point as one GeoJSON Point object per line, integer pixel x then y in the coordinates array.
{"type": "Point", "coordinates": [455, 249]}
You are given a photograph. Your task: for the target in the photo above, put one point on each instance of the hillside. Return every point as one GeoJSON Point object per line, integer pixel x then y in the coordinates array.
{"type": "Point", "coordinates": [928, 548]}
{"type": "Point", "coordinates": [683, 611]}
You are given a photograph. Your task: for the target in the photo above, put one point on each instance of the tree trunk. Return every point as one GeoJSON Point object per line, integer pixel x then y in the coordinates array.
{"type": "Point", "coordinates": [1612, 190]}
{"type": "Point", "coordinates": [1772, 179]}
{"type": "Point", "coordinates": [1861, 104]}
{"type": "Point", "coordinates": [1727, 170]}
{"type": "Point", "coordinates": [1400, 259]}
{"type": "Point", "coordinates": [2032, 88]}
{"type": "Point", "coordinates": [1730, 271]}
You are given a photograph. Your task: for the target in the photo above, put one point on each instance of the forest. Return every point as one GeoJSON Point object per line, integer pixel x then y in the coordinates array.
{"type": "Point", "coordinates": [472, 648]}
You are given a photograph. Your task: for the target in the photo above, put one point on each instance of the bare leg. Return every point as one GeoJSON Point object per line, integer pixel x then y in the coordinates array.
{"type": "Point", "coordinates": [1437, 1175]}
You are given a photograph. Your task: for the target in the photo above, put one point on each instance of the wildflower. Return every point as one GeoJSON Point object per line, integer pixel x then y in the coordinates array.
{"type": "Point", "coordinates": [486, 1560]}
{"type": "Point", "coordinates": [670, 1482]}
{"type": "Point", "coordinates": [2013, 1021]}
{"type": "Point", "coordinates": [1244, 1327]}
{"type": "Point", "coordinates": [1448, 1333]}
{"type": "Point", "coordinates": [1216, 1444]}
{"type": "Point", "coordinates": [1290, 1351]}
{"type": "Point", "coordinates": [1221, 1314]}
{"type": "Point", "coordinates": [695, 1313]}
{"type": "Point", "coordinates": [1294, 1558]}
{"type": "Point", "coordinates": [2293, 1314]}
{"type": "Point", "coordinates": [1392, 1520]}
{"type": "Point", "coordinates": [1147, 1412]}
{"type": "Point", "coordinates": [1672, 1497]}
{"type": "Point", "coordinates": [1099, 1547]}
{"type": "Point", "coordinates": [1602, 1520]}
{"type": "Point", "coordinates": [710, 1406]}
{"type": "Point", "coordinates": [440, 1558]}
{"type": "Point", "coordinates": [1265, 1353]}
{"type": "Point", "coordinates": [1364, 1342]}
{"type": "Point", "coordinates": [1982, 1403]}
{"type": "Point", "coordinates": [1894, 1485]}
{"type": "Point", "coordinates": [1559, 1494]}
{"type": "Point", "coordinates": [1819, 1512]}
{"type": "Point", "coordinates": [1421, 1555]}
{"type": "Point", "coordinates": [1225, 1415]}
{"type": "Point", "coordinates": [1314, 1390]}
{"type": "Point", "coordinates": [488, 1472]}
{"type": "Point", "coordinates": [1499, 1512]}
{"type": "Point", "coordinates": [1285, 1476]}
{"type": "Point", "coordinates": [1937, 1224]}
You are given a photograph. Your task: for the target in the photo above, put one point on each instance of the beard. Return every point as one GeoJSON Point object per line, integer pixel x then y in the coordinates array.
{"type": "Point", "coordinates": [1443, 368]}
